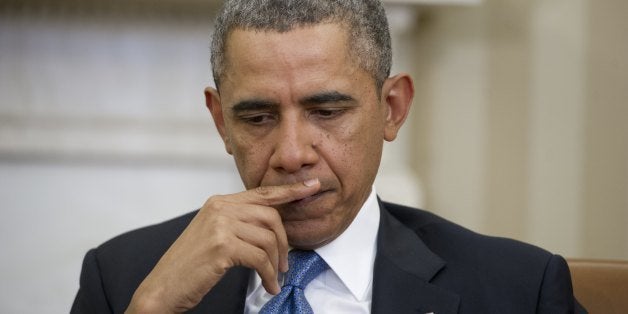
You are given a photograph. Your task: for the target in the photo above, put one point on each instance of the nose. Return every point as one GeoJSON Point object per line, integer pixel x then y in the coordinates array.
{"type": "Point", "coordinates": [295, 147]}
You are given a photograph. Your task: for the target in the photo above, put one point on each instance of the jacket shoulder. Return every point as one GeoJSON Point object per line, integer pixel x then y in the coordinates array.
{"type": "Point", "coordinates": [149, 240]}
{"type": "Point", "coordinates": [491, 274]}
{"type": "Point", "coordinates": [125, 260]}
{"type": "Point", "coordinates": [452, 241]}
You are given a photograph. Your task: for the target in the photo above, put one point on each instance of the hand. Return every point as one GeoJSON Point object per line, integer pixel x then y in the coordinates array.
{"type": "Point", "coordinates": [229, 230]}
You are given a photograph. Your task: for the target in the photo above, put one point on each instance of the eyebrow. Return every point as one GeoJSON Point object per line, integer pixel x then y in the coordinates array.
{"type": "Point", "coordinates": [253, 104]}
{"type": "Point", "coordinates": [316, 99]}
{"type": "Point", "coordinates": [326, 97]}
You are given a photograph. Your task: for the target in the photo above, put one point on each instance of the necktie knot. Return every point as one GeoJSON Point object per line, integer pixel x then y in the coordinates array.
{"type": "Point", "coordinates": [304, 266]}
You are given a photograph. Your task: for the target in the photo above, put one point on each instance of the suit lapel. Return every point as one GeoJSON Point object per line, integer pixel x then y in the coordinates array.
{"type": "Point", "coordinates": [229, 295]}
{"type": "Point", "coordinates": [404, 268]}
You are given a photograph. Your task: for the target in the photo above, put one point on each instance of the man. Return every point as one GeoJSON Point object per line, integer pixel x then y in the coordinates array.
{"type": "Point", "coordinates": [303, 102]}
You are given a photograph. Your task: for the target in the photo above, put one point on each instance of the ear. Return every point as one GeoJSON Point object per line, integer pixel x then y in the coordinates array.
{"type": "Point", "coordinates": [212, 101]}
{"type": "Point", "coordinates": [397, 94]}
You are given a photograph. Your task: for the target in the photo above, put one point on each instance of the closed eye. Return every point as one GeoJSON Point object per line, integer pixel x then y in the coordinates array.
{"type": "Point", "coordinates": [327, 113]}
{"type": "Point", "coordinates": [257, 118]}
{"type": "Point", "coordinates": [255, 111]}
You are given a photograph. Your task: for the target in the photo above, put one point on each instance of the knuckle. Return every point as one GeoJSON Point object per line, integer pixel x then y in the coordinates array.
{"type": "Point", "coordinates": [273, 216]}
{"type": "Point", "coordinates": [212, 201]}
{"type": "Point", "coordinates": [263, 190]}
{"type": "Point", "coordinates": [259, 257]}
{"type": "Point", "coordinates": [222, 243]}
{"type": "Point", "coordinates": [268, 194]}
{"type": "Point", "coordinates": [215, 204]}
{"type": "Point", "coordinates": [220, 221]}
{"type": "Point", "coordinates": [273, 220]}
{"type": "Point", "coordinates": [268, 240]}
{"type": "Point", "coordinates": [222, 265]}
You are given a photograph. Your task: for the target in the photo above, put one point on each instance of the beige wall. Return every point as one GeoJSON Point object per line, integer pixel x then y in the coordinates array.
{"type": "Point", "coordinates": [606, 155]}
{"type": "Point", "coordinates": [521, 121]}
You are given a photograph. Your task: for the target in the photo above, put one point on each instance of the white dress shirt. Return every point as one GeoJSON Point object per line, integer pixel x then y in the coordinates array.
{"type": "Point", "coordinates": [346, 287]}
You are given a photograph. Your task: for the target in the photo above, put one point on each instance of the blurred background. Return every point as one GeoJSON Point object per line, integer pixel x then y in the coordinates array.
{"type": "Point", "coordinates": [519, 127]}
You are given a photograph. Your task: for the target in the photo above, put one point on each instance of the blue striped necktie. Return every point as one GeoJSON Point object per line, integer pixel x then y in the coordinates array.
{"type": "Point", "coordinates": [303, 267]}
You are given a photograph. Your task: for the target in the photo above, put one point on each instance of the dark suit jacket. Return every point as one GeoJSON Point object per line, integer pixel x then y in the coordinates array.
{"type": "Point", "coordinates": [424, 264]}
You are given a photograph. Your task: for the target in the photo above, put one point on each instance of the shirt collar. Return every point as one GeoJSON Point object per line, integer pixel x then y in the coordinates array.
{"type": "Point", "coordinates": [352, 254]}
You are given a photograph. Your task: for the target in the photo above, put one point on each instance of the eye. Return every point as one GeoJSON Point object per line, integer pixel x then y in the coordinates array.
{"type": "Point", "coordinates": [327, 113]}
{"type": "Point", "coordinates": [257, 118]}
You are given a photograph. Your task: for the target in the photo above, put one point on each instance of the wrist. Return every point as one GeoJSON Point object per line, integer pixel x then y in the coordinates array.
{"type": "Point", "coordinates": [145, 302]}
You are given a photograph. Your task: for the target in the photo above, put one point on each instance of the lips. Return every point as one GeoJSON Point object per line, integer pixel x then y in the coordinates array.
{"type": "Point", "coordinates": [308, 199]}
{"type": "Point", "coordinates": [306, 208]}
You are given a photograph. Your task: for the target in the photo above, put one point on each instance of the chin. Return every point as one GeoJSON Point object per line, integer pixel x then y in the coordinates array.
{"type": "Point", "coordinates": [307, 236]}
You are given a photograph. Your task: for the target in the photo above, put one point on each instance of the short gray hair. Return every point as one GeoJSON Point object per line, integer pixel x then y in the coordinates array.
{"type": "Point", "coordinates": [365, 19]}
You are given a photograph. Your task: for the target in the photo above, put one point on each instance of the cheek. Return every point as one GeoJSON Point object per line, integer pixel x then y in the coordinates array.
{"type": "Point", "coordinates": [354, 151]}
{"type": "Point", "coordinates": [251, 159]}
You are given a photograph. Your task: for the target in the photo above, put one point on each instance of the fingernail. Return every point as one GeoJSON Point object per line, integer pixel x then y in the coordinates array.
{"type": "Point", "coordinates": [311, 182]}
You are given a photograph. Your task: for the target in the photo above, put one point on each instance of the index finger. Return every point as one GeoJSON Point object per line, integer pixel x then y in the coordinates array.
{"type": "Point", "coordinates": [281, 194]}
{"type": "Point", "coordinates": [276, 195]}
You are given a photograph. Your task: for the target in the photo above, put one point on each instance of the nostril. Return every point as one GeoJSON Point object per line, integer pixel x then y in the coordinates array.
{"type": "Point", "coordinates": [295, 147]}
{"type": "Point", "coordinates": [293, 160]}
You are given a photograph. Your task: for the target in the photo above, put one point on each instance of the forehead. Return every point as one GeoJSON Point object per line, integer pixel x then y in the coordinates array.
{"type": "Point", "coordinates": [300, 51]}
{"type": "Point", "coordinates": [299, 37]}
{"type": "Point", "coordinates": [305, 57]}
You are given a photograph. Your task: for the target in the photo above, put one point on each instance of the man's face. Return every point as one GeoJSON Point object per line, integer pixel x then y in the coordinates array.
{"type": "Point", "coordinates": [296, 106]}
